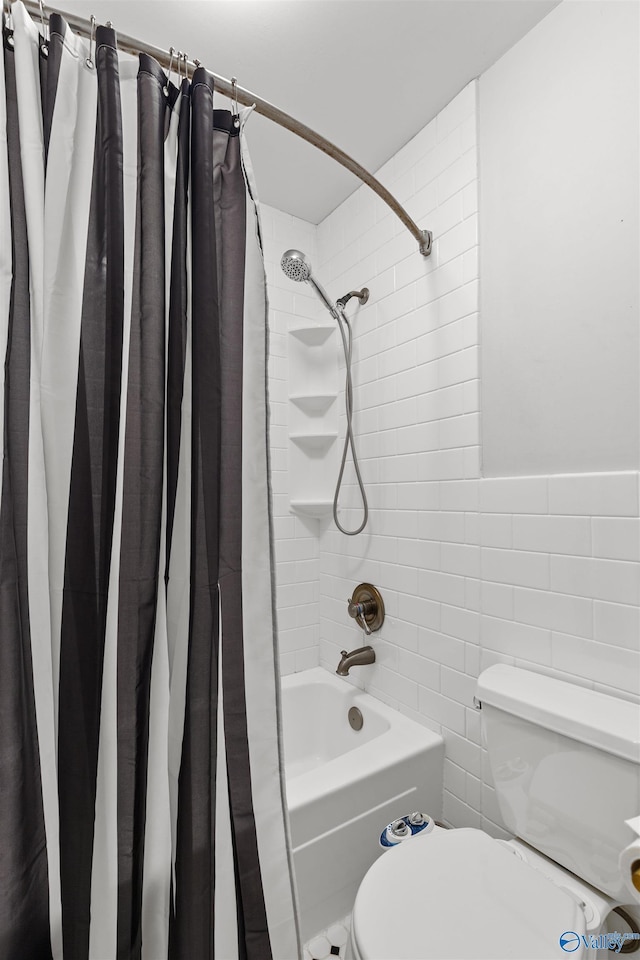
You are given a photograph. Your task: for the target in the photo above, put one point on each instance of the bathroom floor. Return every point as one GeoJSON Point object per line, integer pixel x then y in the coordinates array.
{"type": "Point", "coordinates": [329, 943]}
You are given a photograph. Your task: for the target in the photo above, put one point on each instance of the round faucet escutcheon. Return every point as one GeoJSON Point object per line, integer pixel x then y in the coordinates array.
{"type": "Point", "coordinates": [366, 607]}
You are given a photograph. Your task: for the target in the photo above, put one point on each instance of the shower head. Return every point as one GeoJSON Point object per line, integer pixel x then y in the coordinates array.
{"type": "Point", "coordinates": [296, 266]}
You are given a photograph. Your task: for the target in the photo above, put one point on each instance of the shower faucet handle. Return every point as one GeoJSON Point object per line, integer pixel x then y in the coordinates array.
{"type": "Point", "coordinates": [358, 611]}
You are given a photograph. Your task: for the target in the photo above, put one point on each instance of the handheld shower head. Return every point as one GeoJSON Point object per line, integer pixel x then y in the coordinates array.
{"type": "Point", "coordinates": [295, 265]}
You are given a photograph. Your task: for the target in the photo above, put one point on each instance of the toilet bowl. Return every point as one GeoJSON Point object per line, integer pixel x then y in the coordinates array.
{"type": "Point", "coordinates": [461, 893]}
{"type": "Point", "coordinates": [565, 763]}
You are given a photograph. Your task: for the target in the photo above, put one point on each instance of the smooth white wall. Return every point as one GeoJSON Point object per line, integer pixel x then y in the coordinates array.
{"type": "Point", "coordinates": [558, 142]}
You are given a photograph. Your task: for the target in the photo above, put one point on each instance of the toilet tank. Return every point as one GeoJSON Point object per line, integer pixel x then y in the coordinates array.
{"type": "Point", "coordinates": [565, 762]}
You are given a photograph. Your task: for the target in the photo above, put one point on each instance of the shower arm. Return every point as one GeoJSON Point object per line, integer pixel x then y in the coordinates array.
{"type": "Point", "coordinates": [263, 107]}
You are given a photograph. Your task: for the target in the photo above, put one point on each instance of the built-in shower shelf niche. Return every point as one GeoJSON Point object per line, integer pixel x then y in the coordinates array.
{"type": "Point", "coordinates": [313, 403]}
{"type": "Point", "coordinates": [313, 334]}
{"type": "Point", "coordinates": [312, 416]}
{"type": "Point", "coordinates": [312, 508]}
{"type": "Point", "coordinates": [314, 441]}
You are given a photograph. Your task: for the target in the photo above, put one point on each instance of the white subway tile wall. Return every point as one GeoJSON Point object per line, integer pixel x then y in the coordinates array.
{"type": "Point", "coordinates": [541, 572]}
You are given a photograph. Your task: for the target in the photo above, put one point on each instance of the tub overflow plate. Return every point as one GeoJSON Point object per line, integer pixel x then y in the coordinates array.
{"type": "Point", "coordinates": [355, 718]}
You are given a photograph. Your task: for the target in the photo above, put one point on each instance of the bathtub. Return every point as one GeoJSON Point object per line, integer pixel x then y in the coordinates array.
{"type": "Point", "coordinates": [344, 786]}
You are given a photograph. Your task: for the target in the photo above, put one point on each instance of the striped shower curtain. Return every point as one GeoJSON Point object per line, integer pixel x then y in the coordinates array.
{"type": "Point", "coordinates": [142, 811]}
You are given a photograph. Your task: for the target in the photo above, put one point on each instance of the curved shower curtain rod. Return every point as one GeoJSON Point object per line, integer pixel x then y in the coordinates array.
{"type": "Point", "coordinates": [266, 109]}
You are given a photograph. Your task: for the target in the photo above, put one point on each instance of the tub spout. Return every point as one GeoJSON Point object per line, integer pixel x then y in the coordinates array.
{"type": "Point", "coordinates": [357, 658]}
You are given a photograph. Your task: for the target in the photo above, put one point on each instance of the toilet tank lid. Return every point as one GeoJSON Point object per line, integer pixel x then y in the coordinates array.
{"type": "Point", "coordinates": [588, 716]}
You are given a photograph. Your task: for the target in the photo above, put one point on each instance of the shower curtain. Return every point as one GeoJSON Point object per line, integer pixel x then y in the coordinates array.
{"type": "Point", "coordinates": [141, 799]}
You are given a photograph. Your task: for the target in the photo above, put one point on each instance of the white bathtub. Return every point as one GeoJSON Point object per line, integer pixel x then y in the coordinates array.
{"type": "Point", "coordinates": [344, 786]}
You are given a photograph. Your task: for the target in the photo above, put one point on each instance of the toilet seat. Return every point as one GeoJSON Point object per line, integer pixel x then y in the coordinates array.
{"type": "Point", "coordinates": [460, 893]}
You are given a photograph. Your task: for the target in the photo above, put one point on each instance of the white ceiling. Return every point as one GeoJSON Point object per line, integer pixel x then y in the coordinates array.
{"type": "Point", "coordinates": [366, 74]}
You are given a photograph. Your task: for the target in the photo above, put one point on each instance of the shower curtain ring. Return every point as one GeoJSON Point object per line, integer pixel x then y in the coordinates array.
{"type": "Point", "coordinates": [89, 61]}
{"type": "Point", "coordinates": [165, 89]}
{"type": "Point", "coordinates": [44, 43]}
{"type": "Point", "coordinates": [185, 60]}
{"type": "Point", "coordinates": [234, 89]}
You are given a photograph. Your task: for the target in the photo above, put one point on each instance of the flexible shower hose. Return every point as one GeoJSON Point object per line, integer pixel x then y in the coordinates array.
{"type": "Point", "coordinates": [347, 343]}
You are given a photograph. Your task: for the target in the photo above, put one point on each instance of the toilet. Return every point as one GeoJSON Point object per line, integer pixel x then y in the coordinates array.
{"type": "Point", "coordinates": [565, 761]}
